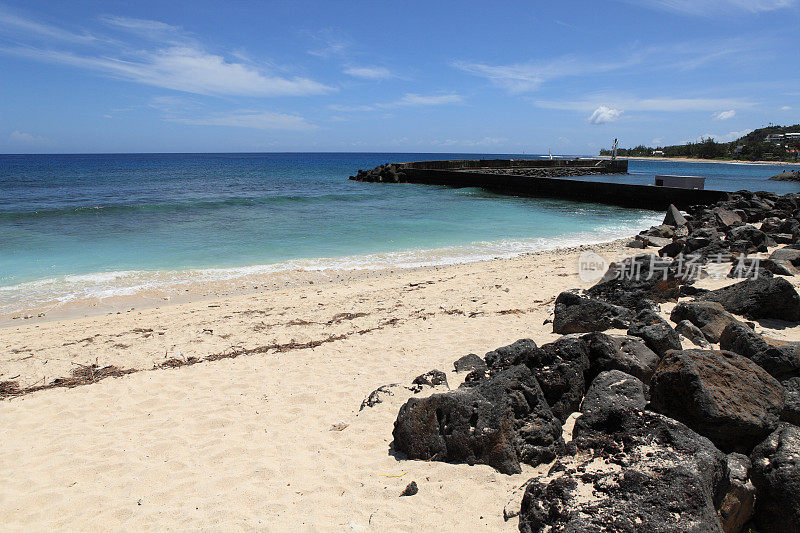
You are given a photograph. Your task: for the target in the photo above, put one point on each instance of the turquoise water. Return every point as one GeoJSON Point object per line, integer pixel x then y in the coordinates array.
{"type": "Point", "coordinates": [97, 225]}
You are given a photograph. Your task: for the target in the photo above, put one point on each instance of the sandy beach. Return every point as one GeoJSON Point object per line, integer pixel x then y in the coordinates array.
{"type": "Point", "coordinates": [271, 438]}
{"type": "Point", "coordinates": [698, 160]}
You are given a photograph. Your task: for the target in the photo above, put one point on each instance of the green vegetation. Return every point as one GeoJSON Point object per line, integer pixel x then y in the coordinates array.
{"type": "Point", "coordinates": [751, 147]}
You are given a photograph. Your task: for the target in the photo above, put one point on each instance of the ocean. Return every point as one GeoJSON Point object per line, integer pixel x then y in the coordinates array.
{"type": "Point", "coordinates": [92, 226]}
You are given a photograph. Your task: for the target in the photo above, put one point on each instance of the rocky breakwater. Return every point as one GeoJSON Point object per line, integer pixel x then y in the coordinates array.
{"type": "Point", "coordinates": [388, 173]}
{"type": "Point", "coordinates": [787, 175]}
{"type": "Point", "coordinates": [665, 437]}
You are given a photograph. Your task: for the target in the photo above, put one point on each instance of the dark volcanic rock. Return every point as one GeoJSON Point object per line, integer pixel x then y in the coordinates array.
{"type": "Point", "coordinates": [726, 217]}
{"type": "Point", "coordinates": [501, 421]}
{"type": "Point", "coordinates": [737, 506]}
{"type": "Point", "coordinates": [432, 378]}
{"type": "Point", "coordinates": [693, 333]}
{"type": "Point", "coordinates": [613, 390]}
{"type": "Point", "coordinates": [668, 478]}
{"type": "Point", "coordinates": [791, 411]}
{"type": "Point", "coordinates": [656, 332]}
{"type": "Point", "coordinates": [621, 352]}
{"type": "Point", "coordinates": [721, 395]}
{"type": "Point", "coordinates": [514, 354]}
{"type": "Point", "coordinates": [674, 217]}
{"type": "Point", "coordinates": [751, 234]}
{"type": "Point", "coordinates": [560, 369]}
{"type": "Point", "coordinates": [782, 362]}
{"type": "Point", "coordinates": [637, 282]}
{"type": "Point", "coordinates": [787, 175]}
{"type": "Point", "coordinates": [575, 314]}
{"type": "Point", "coordinates": [469, 362]}
{"type": "Point", "coordinates": [776, 475]}
{"type": "Point", "coordinates": [759, 298]}
{"type": "Point", "coordinates": [787, 254]}
{"type": "Point", "coordinates": [753, 267]}
{"type": "Point", "coordinates": [375, 397]}
{"type": "Point", "coordinates": [410, 490]}
{"type": "Point", "coordinates": [710, 317]}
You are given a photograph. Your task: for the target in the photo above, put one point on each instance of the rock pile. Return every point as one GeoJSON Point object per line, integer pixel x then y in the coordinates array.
{"type": "Point", "coordinates": [667, 438]}
{"type": "Point", "coordinates": [389, 173]}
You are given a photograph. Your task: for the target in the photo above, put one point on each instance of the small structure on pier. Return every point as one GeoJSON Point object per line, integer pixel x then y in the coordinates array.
{"type": "Point", "coordinates": [682, 182]}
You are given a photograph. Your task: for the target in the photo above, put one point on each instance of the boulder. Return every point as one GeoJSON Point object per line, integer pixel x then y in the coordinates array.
{"type": "Point", "coordinates": [790, 255]}
{"type": "Point", "coordinates": [674, 217]}
{"type": "Point", "coordinates": [637, 282]}
{"type": "Point", "coordinates": [771, 225]}
{"type": "Point", "coordinates": [663, 231]}
{"type": "Point", "coordinates": [737, 506]}
{"type": "Point", "coordinates": [782, 362]}
{"type": "Point", "coordinates": [613, 390]}
{"type": "Point", "coordinates": [656, 241]}
{"type": "Point", "coordinates": [710, 317]}
{"type": "Point", "coordinates": [787, 175]}
{"type": "Point", "coordinates": [760, 240]}
{"type": "Point", "coordinates": [621, 352]}
{"type": "Point", "coordinates": [514, 354]}
{"type": "Point", "coordinates": [501, 421]}
{"type": "Point", "coordinates": [432, 378]}
{"type": "Point", "coordinates": [721, 395]}
{"type": "Point", "coordinates": [754, 267]}
{"type": "Point", "coordinates": [662, 476]}
{"type": "Point", "coordinates": [759, 298]}
{"type": "Point", "coordinates": [469, 362]}
{"type": "Point", "coordinates": [726, 217]}
{"type": "Point", "coordinates": [791, 412]}
{"type": "Point", "coordinates": [693, 333]}
{"type": "Point", "coordinates": [776, 476]}
{"type": "Point", "coordinates": [576, 314]}
{"type": "Point", "coordinates": [560, 369]}
{"type": "Point", "coordinates": [675, 248]}
{"type": "Point", "coordinates": [656, 332]}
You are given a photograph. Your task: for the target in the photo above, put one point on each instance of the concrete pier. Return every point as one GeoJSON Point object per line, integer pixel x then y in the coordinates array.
{"type": "Point", "coordinates": [467, 173]}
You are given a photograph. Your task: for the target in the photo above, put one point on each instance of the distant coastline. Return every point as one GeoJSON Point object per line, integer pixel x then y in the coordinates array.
{"type": "Point", "coordinates": [699, 160]}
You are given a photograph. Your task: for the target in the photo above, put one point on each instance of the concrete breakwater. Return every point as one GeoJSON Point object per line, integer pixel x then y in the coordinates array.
{"type": "Point", "coordinates": [542, 178]}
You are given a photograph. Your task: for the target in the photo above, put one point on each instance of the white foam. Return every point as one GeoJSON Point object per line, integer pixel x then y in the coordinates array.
{"type": "Point", "coordinates": [101, 285]}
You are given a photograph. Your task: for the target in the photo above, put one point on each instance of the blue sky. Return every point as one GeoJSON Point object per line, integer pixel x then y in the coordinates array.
{"type": "Point", "coordinates": [392, 76]}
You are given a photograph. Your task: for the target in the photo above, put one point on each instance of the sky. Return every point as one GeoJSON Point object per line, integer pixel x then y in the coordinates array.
{"type": "Point", "coordinates": [374, 76]}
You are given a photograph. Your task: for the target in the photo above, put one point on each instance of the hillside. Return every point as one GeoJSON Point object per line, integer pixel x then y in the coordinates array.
{"type": "Point", "coordinates": [752, 147]}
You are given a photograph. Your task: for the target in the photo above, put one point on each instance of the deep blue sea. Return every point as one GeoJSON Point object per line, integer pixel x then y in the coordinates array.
{"type": "Point", "coordinates": [75, 226]}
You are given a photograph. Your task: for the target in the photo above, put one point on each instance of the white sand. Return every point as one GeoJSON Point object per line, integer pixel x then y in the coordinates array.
{"type": "Point", "coordinates": [246, 443]}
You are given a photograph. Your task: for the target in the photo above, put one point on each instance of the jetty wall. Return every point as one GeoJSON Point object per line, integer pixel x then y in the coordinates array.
{"type": "Point", "coordinates": [621, 194]}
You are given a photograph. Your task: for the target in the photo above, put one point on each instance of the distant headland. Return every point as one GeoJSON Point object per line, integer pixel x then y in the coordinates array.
{"type": "Point", "coordinates": [773, 144]}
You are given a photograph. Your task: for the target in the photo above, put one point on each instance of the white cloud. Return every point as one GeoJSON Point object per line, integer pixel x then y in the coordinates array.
{"type": "Point", "coordinates": [10, 23]}
{"type": "Point", "coordinates": [604, 114]}
{"type": "Point", "coordinates": [182, 68]}
{"type": "Point", "coordinates": [262, 120]}
{"type": "Point", "coordinates": [170, 60]}
{"type": "Point", "coordinates": [716, 7]}
{"type": "Point", "coordinates": [411, 99]}
{"type": "Point", "coordinates": [151, 29]}
{"type": "Point", "coordinates": [407, 100]}
{"type": "Point", "coordinates": [369, 73]}
{"type": "Point", "coordinates": [722, 138]}
{"type": "Point", "coordinates": [786, 108]}
{"type": "Point", "coordinates": [20, 137]}
{"type": "Point", "coordinates": [725, 115]}
{"type": "Point", "coordinates": [528, 76]}
{"type": "Point", "coordinates": [486, 141]}
{"type": "Point", "coordinates": [643, 104]}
